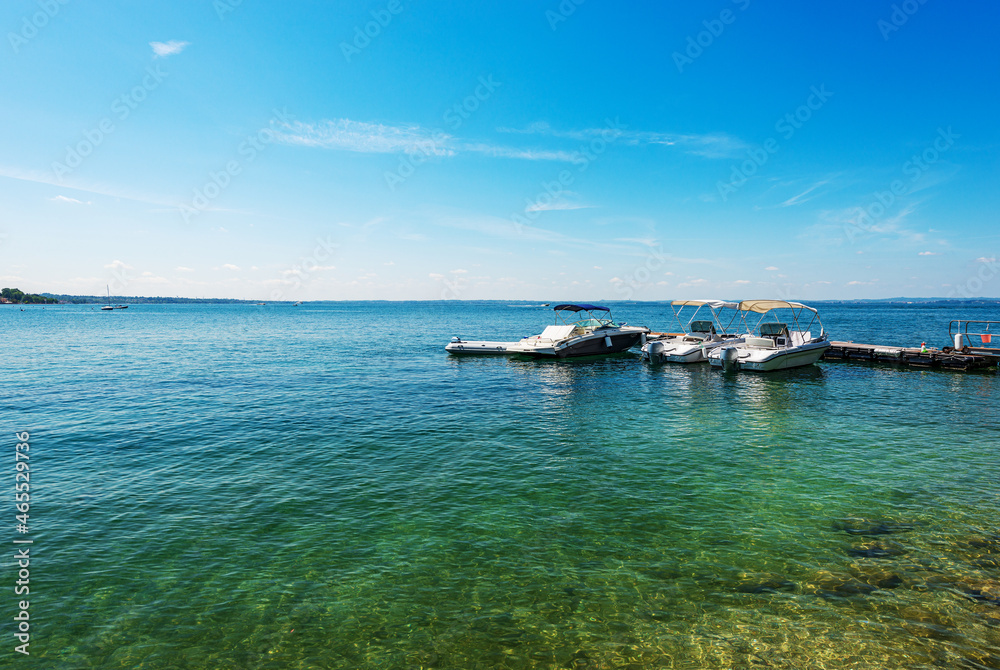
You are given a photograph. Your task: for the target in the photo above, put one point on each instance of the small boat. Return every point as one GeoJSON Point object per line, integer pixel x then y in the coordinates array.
{"type": "Point", "coordinates": [296, 304]}
{"type": "Point", "coordinates": [699, 337]}
{"type": "Point", "coordinates": [772, 344]}
{"type": "Point", "coordinates": [595, 335]}
{"type": "Point", "coordinates": [109, 306]}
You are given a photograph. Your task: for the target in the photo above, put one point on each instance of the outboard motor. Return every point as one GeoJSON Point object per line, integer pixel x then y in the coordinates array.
{"type": "Point", "coordinates": [655, 351]}
{"type": "Point", "coordinates": [456, 340]}
{"type": "Point", "coordinates": [729, 356]}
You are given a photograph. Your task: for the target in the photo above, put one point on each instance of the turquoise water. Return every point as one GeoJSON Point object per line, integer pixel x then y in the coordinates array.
{"type": "Point", "coordinates": [323, 486]}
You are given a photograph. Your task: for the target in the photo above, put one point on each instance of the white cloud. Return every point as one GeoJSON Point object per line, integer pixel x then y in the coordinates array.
{"type": "Point", "coordinates": [928, 253]}
{"type": "Point", "coordinates": [164, 49]}
{"type": "Point", "coordinates": [361, 137]}
{"type": "Point", "coordinates": [555, 206]}
{"type": "Point", "coordinates": [771, 268]}
{"type": "Point", "coordinates": [983, 259]}
{"type": "Point", "coordinates": [62, 198]}
{"type": "Point", "coordinates": [230, 266]}
{"type": "Point", "coordinates": [742, 281]}
{"type": "Point", "coordinates": [709, 145]}
{"type": "Point", "coordinates": [118, 265]}
{"type": "Point", "coordinates": [181, 268]}
{"type": "Point", "coordinates": [801, 197]}
{"type": "Point", "coordinates": [459, 272]}
{"type": "Point", "coordinates": [434, 275]}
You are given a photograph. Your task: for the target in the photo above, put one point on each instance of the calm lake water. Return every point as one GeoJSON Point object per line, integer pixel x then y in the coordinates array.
{"type": "Point", "coordinates": [322, 486]}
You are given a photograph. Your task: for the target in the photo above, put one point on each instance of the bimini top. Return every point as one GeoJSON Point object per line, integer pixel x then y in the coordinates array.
{"type": "Point", "coordinates": [714, 304]}
{"type": "Point", "coordinates": [580, 308]}
{"type": "Point", "coordinates": [761, 306]}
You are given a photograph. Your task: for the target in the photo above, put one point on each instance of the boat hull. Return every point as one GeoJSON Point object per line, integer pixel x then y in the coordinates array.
{"type": "Point", "coordinates": [594, 344]}
{"type": "Point", "coordinates": [767, 360]}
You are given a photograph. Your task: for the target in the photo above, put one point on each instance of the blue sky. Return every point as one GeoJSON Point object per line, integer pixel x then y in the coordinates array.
{"type": "Point", "coordinates": [544, 151]}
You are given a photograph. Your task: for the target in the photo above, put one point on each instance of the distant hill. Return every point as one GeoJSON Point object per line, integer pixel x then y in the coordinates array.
{"type": "Point", "coordinates": [139, 300]}
{"type": "Point", "coordinates": [15, 296]}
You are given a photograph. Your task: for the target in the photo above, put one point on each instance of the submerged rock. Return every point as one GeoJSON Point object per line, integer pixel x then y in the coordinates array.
{"type": "Point", "coordinates": [767, 583]}
{"type": "Point", "coordinates": [877, 550]}
{"type": "Point", "coordinates": [872, 527]}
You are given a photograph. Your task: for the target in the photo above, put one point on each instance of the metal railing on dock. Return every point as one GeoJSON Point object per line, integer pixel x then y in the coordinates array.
{"type": "Point", "coordinates": [959, 334]}
{"type": "Point", "coordinates": [962, 356]}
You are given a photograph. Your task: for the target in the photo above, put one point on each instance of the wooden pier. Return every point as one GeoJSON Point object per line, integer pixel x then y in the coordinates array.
{"type": "Point", "coordinates": [948, 358]}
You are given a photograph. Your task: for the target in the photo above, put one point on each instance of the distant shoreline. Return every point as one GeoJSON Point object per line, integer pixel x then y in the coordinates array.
{"type": "Point", "coordinates": [160, 300]}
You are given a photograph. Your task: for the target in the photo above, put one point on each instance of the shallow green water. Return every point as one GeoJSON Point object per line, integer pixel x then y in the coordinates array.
{"type": "Point", "coordinates": [323, 487]}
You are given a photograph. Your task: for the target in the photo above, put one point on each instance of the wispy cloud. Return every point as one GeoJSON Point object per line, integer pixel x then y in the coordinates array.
{"type": "Point", "coordinates": [361, 137]}
{"type": "Point", "coordinates": [230, 266]}
{"type": "Point", "coordinates": [164, 49]}
{"type": "Point", "coordinates": [364, 137]}
{"type": "Point", "coordinates": [555, 206]}
{"type": "Point", "coordinates": [801, 197]}
{"type": "Point", "coordinates": [62, 198]}
{"type": "Point", "coordinates": [118, 265]}
{"type": "Point", "coordinates": [928, 253]}
{"type": "Point", "coordinates": [708, 145]}
{"type": "Point", "coordinates": [181, 268]}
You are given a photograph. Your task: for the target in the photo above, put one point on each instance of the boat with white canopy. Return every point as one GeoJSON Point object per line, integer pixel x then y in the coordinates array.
{"type": "Point", "coordinates": [780, 338]}
{"type": "Point", "coordinates": [700, 335]}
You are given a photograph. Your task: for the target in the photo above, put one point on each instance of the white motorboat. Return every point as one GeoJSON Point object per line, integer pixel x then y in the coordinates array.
{"type": "Point", "coordinates": [597, 334]}
{"type": "Point", "coordinates": [771, 344]}
{"type": "Point", "coordinates": [700, 335]}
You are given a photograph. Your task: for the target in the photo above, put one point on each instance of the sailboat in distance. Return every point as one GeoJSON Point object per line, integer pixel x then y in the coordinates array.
{"type": "Point", "coordinates": [109, 306]}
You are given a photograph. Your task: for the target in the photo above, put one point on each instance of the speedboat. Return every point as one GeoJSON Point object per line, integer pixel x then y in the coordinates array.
{"type": "Point", "coordinates": [771, 344]}
{"type": "Point", "coordinates": [590, 336]}
{"type": "Point", "coordinates": [699, 337]}
{"type": "Point", "coordinates": [594, 335]}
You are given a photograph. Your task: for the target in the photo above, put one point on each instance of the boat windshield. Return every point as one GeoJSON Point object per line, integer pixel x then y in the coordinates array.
{"type": "Point", "coordinates": [597, 316]}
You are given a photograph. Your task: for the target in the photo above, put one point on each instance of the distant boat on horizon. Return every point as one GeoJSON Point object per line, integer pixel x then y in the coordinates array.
{"type": "Point", "coordinates": [109, 306]}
